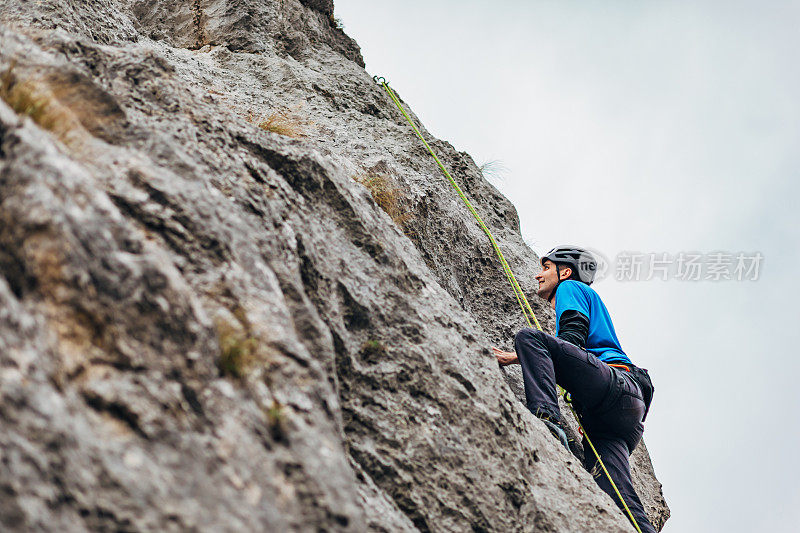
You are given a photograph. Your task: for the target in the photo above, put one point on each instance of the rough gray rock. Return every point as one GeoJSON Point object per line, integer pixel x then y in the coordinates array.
{"type": "Point", "coordinates": [209, 326]}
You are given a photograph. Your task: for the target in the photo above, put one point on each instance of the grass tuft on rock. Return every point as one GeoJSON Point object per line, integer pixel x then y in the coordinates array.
{"type": "Point", "coordinates": [373, 351]}
{"type": "Point", "coordinates": [237, 351]}
{"type": "Point", "coordinates": [276, 421]}
{"type": "Point", "coordinates": [335, 22]}
{"type": "Point", "coordinates": [32, 99]}
{"type": "Point", "coordinates": [386, 195]}
{"type": "Point", "coordinates": [284, 123]}
{"type": "Point", "coordinates": [494, 170]}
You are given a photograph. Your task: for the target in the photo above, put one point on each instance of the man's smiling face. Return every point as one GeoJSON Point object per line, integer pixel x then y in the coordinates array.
{"type": "Point", "coordinates": [548, 278]}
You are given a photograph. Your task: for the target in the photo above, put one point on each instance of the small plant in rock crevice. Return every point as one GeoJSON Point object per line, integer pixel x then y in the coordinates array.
{"type": "Point", "coordinates": [237, 350]}
{"type": "Point", "coordinates": [284, 122]}
{"type": "Point", "coordinates": [32, 99]}
{"type": "Point", "coordinates": [335, 22]}
{"type": "Point", "coordinates": [386, 195]}
{"type": "Point", "coordinates": [493, 171]}
{"type": "Point", "coordinates": [373, 351]}
{"type": "Point", "coordinates": [276, 421]}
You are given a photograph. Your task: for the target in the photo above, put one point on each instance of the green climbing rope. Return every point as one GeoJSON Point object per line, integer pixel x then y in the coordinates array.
{"type": "Point", "coordinates": [527, 311]}
{"type": "Point", "coordinates": [521, 299]}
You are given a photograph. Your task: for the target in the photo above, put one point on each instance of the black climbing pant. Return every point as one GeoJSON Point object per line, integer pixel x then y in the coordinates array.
{"type": "Point", "coordinates": [608, 400]}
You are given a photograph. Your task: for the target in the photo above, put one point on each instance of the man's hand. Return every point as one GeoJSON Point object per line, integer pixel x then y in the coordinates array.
{"type": "Point", "coordinates": [505, 358]}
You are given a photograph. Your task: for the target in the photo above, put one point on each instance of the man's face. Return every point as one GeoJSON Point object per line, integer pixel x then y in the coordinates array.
{"type": "Point", "coordinates": [548, 278]}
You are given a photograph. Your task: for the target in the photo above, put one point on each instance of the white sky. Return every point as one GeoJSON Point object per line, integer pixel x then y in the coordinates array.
{"type": "Point", "coordinates": [648, 127]}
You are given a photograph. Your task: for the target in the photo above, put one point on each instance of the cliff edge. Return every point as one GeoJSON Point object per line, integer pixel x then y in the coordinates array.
{"type": "Point", "coordinates": [211, 316]}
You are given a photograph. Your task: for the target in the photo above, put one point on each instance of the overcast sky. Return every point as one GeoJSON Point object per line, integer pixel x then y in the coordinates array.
{"type": "Point", "coordinates": [644, 127]}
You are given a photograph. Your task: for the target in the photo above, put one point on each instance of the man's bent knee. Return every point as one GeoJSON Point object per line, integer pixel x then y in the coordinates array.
{"type": "Point", "coordinates": [527, 334]}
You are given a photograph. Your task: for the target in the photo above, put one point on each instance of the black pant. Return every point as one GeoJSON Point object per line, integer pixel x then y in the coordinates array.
{"type": "Point", "coordinates": [608, 400]}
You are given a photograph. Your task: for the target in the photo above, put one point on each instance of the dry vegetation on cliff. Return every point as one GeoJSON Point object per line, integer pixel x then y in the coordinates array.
{"type": "Point", "coordinates": [386, 194]}
{"type": "Point", "coordinates": [32, 99]}
{"type": "Point", "coordinates": [287, 122]}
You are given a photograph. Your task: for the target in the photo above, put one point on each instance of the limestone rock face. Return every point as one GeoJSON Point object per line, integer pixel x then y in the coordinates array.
{"type": "Point", "coordinates": [207, 325]}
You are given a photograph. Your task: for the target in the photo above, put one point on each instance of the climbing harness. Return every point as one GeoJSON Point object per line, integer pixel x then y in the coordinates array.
{"type": "Point", "coordinates": [521, 299]}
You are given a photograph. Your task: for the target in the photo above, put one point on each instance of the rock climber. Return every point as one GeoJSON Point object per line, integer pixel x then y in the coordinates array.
{"type": "Point", "coordinates": [609, 393]}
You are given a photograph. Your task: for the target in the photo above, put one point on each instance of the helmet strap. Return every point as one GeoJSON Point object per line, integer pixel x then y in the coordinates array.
{"type": "Point", "coordinates": [558, 280]}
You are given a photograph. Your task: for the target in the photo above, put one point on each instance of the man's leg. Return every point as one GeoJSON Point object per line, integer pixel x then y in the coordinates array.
{"type": "Point", "coordinates": [538, 374]}
{"type": "Point", "coordinates": [546, 360]}
{"type": "Point", "coordinates": [614, 453]}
